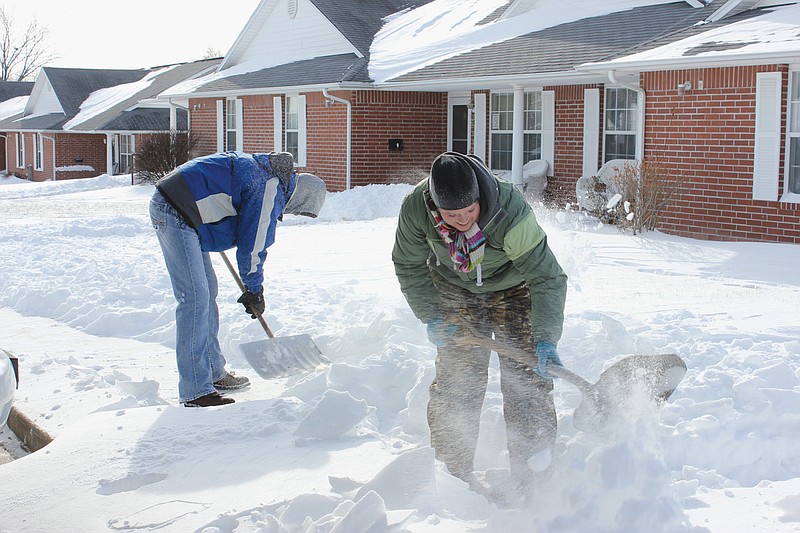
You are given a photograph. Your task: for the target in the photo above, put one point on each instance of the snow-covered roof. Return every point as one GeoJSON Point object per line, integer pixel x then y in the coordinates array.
{"type": "Point", "coordinates": [437, 44]}
{"type": "Point", "coordinates": [767, 35]}
{"type": "Point", "coordinates": [65, 99]}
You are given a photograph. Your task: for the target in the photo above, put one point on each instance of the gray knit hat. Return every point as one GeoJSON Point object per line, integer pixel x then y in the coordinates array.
{"type": "Point", "coordinates": [308, 196]}
{"type": "Point", "coordinates": [453, 184]}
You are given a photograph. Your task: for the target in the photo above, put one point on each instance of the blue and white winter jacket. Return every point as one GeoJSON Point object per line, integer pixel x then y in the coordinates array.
{"type": "Point", "coordinates": [231, 199]}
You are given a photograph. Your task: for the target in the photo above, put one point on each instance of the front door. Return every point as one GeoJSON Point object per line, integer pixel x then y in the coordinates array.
{"type": "Point", "coordinates": [459, 126]}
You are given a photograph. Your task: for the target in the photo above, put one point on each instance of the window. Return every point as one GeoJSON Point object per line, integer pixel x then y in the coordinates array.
{"type": "Point", "coordinates": [230, 125]}
{"type": "Point", "coordinates": [502, 128]}
{"type": "Point", "coordinates": [20, 150]}
{"type": "Point", "coordinates": [533, 126]}
{"type": "Point", "coordinates": [126, 150]}
{"type": "Point", "coordinates": [793, 136]}
{"type": "Point", "coordinates": [38, 149]}
{"type": "Point", "coordinates": [293, 126]}
{"type": "Point", "coordinates": [620, 125]}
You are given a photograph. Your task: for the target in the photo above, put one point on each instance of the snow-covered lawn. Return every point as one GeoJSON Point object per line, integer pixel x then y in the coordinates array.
{"type": "Point", "coordinates": [85, 303]}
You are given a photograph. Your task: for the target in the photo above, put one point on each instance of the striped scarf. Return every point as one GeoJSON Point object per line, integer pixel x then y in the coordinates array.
{"type": "Point", "coordinates": [466, 247]}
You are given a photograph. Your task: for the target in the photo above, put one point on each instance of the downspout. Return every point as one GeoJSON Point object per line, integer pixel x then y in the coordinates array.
{"type": "Point", "coordinates": [349, 105]}
{"type": "Point", "coordinates": [612, 77]}
{"type": "Point", "coordinates": [52, 140]}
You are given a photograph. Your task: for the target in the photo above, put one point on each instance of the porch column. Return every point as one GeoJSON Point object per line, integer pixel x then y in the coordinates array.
{"type": "Point", "coordinates": [110, 154]}
{"type": "Point", "coordinates": [518, 136]}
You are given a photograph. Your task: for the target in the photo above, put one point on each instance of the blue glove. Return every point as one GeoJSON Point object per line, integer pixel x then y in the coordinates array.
{"type": "Point", "coordinates": [546, 353]}
{"type": "Point", "coordinates": [440, 332]}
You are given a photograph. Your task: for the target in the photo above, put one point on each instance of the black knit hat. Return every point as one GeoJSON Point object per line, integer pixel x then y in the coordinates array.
{"type": "Point", "coordinates": [453, 184]}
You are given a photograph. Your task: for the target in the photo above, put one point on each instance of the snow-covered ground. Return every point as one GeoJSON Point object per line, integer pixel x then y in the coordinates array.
{"type": "Point", "coordinates": [85, 303]}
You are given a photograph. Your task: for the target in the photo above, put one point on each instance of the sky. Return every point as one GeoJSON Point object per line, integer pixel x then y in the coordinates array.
{"type": "Point", "coordinates": [86, 305]}
{"type": "Point", "coordinates": [147, 33]}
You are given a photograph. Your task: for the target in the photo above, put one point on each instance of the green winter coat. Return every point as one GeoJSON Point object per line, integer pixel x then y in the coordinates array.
{"type": "Point", "coordinates": [516, 252]}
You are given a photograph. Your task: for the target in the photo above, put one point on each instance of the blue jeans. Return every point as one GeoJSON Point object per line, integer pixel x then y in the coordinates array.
{"type": "Point", "coordinates": [200, 360]}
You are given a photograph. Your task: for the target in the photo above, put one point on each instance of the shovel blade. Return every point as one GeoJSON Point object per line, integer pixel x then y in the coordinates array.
{"type": "Point", "coordinates": [283, 356]}
{"type": "Point", "coordinates": [638, 379]}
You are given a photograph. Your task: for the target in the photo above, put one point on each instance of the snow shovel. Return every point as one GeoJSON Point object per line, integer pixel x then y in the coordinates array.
{"type": "Point", "coordinates": [636, 378]}
{"type": "Point", "coordinates": [278, 357]}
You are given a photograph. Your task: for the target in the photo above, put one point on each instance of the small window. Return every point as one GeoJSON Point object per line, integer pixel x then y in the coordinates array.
{"type": "Point", "coordinates": [293, 126]}
{"type": "Point", "coordinates": [230, 125]}
{"type": "Point", "coordinates": [125, 153]}
{"type": "Point", "coordinates": [621, 124]}
{"type": "Point", "coordinates": [20, 150]}
{"type": "Point", "coordinates": [38, 159]}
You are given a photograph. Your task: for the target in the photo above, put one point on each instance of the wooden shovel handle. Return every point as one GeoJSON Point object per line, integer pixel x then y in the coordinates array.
{"type": "Point", "coordinates": [521, 356]}
{"type": "Point", "coordinates": [241, 287]}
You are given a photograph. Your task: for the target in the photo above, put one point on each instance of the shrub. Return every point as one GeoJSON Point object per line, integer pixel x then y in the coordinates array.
{"type": "Point", "coordinates": [638, 195]}
{"type": "Point", "coordinates": [161, 152]}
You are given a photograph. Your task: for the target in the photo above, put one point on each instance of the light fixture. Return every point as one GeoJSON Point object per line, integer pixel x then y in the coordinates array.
{"type": "Point", "coordinates": [684, 87]}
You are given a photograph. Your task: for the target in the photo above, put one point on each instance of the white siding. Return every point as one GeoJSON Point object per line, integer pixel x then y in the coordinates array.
{"type": "Point", "coordinates": [43, 99]}
{"type": "Point", "coordinates": [281, 39]}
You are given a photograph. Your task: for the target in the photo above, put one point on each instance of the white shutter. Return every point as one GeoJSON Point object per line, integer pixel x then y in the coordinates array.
{"type": "Point", "coordinates": [591, 131]}
{"type": "Point", "coordinates": [479, 127]}
{"type": "Point", "coordinates": [302, 134]}
{"type": "Point", "coordinates": [239, 125]}
{"type": "Point", "coordinates": [549, 129]}
{"type": "Point", "coordinates": [768, 136]}
{"type": "Point", "coordinates": [277, 123]}
{"type": "Point", "coordinates": [220, 125]}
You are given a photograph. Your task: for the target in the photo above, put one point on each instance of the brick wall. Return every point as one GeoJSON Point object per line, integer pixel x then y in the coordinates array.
{"type": "Point", "coordinates": [80, 150]}
{"type": "Point", "coordinates": [203, 124]}
{"type": "Point", "coordinates": [568, 164]}
{"type": "Point", "coordinates": [419, 119]}
{"type": "Point", "coordinates": [706, 137]}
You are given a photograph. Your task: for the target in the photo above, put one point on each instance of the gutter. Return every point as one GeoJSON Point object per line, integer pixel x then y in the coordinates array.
{"type": "Point", "coordinates": [330, 98]}
{"type": "Point", "coordinates": [612, 77]}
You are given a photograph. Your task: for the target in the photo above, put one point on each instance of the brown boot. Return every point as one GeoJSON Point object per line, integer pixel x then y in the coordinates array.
{"type": "Point", "coordinates": [209, 400]}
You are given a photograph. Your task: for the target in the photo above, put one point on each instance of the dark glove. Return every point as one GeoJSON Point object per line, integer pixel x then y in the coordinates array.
{"type": "Point", "coordinates": [252, 302]}
{"type": "Point", "coordinates": [440, 332]}
{"type": "Point", "coordinates": [546, 354]}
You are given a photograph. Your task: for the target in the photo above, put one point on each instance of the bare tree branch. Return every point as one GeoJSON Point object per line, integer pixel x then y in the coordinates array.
{"type": "Point", "coordinates": [22, 54]}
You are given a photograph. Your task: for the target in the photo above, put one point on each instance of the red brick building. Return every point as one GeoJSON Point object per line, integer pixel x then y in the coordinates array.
{"type": "Point", "coordinates": [314, 78]}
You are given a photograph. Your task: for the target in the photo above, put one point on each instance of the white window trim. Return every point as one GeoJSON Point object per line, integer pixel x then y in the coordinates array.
{"type": "Point", "coordinates": [547, 133]}
{"type": "Point", "coordinates": [302, 134]}
{"type": "Point", "coordinates": [638, 131]}
{"type": "Point", "coordinates": [120, 153]}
